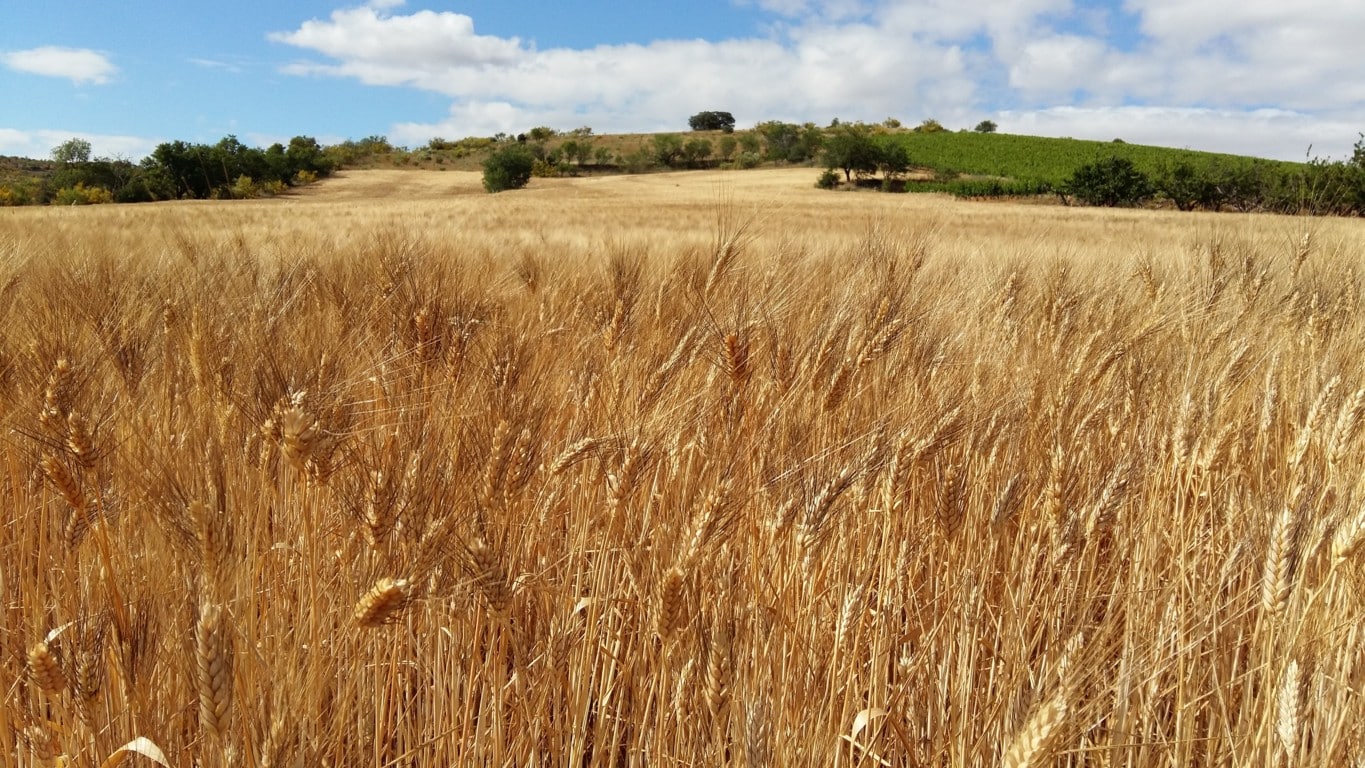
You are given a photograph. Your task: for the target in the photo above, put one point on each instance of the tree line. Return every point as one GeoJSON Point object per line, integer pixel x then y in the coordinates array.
{"type": "Point", "coordinates": [174, 170]}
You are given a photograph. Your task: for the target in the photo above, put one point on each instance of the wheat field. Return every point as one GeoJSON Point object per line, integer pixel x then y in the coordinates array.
{"type": "Point", "coordinates": [684, 469]}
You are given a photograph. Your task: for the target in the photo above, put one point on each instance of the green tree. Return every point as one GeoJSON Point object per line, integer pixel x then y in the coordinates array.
{"type": "Point", "coordinates": [728, 144]}
{"type": "Point", "coordinates": [1111, 182]}
{"type": "Point", "coordinates": [986, 126]}
{"type": "Point", "coordinates": [712, 121]}
{"type": "Point", "coordinates": [508, 168]}
{"type": "Point", "coordinates": [788, 142]}
{"type": "Point", "coordinates": [930, 126]}
{"type": "Point", "coordinates": [850, 148]}
{"type": "Point", "coordinates": [1184, 185]}
{"type": "Point", "coordinates": [72, 151]}
{"type": "Point", "coordinates": [541, 133]}
{"type": "Point", "coordinates": [696, 151]}
{"type": "Point", "coordinates": [668, 148]}
{"type": "Point", "coordinates": [893, 159]}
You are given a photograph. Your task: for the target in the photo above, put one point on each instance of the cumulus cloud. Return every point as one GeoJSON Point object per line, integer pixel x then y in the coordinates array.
{"type": "Point", "coordinates": [1180, 68]}
{"type": "Point", "coordinates": [815, 69]}
{"type": "Point", "coordinates": [79, 65]}
{"type": "Point", "coordinates": [39, 143]}
{"type": "Point", "coordinates": [1296, 135]}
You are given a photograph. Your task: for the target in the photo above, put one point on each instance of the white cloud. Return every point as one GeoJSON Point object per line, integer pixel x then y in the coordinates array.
{"type": "Point", "coordinates": [39, 144]}
{"type": "Point", "coordinates": [1203, 71]}
{"type": "Point", "coordinates": [1058, 64]}
{"type": "Point", "coordinates": [816, 70]}
{"type": "Point", "coordinates": [79, 65]}
{"type": "Point", "coordinates": [1273, 133]}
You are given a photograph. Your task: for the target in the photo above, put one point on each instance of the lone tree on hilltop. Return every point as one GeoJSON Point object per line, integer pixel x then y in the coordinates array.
{"type": "Point", "coordinates": [72, 151]}
{"type": "Point", "coordinates": [986, 126]}
{"type": "Point", "coordinates": [712, 121]}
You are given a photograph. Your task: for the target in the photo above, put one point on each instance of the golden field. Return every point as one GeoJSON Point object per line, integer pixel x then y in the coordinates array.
{"type": "Point", "coordinates": [681, 469]}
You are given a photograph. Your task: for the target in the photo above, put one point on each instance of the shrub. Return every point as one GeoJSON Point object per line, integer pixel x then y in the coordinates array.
{"type": "Point", "coordinates": [508, 168]}
{"type": "Point", "coordinates": [17, 194]}
{"type": "Point", "coordinates": [748, 160]}
{"type": "Point", "coordinates": [82, 195]}
{"type": "Point", "coordinates": [244, 188]}
{"type": "Point", "coordinates": [828, 180]}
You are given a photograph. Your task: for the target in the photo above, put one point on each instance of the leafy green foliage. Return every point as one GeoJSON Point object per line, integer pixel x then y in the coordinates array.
{"type": "Point", "coordinates": [789, 142]}
{"type": "Point", "coordinates": [696, 152]}
{"type": "Point", "coordinates": [986, 126]}
{"type": "Point", "coordinates": [1110, 182]}
{"type": "Point", "coordinates": [668, 148]}
{"type": "Point", "coordinates": [712, 121]}
{"type": "Point", "coordinates": [728, 145]}
{"type": "Point", "coordinates": [508, 168]}
{"type": "Point", "coordinates": [72, 151]}
{"type": "Point", "coordinates": [178, 169]}
{"type": "Point", "coordinates": [850, 148]}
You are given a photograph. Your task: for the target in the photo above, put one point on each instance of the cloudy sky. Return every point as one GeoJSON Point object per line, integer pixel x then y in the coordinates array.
{"type": "Point", "coordinates": [1262, 77]}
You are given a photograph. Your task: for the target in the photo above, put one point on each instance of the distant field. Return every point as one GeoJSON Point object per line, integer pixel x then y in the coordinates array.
{"type": "Point", "coordinates": [1044, 159]}
{"type": "Point", "coordinates": [703, 468]}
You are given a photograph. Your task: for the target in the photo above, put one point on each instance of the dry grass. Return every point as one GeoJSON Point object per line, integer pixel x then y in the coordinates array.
{"type": "Point", "coordinates": [677, 470]}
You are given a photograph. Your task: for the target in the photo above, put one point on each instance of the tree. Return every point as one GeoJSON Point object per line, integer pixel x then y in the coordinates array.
{"type": "Point", "coordinates": [668, 147]}
{"type": "Point", "coordinates": [712, 121]}
{"type": "Point", "coordinates": [696, 151]}
{"type": "Point", "coordinates": [508, 168]}
{"type": "Point", "coordinates": [1111, 182]}
{"type": "Point", "coordinates": [541, 133]}
{"type": "Point", "coordinates": [1185, 186]}
{"type": "Point", "coordinates": [930, 126]}
{"type": "Point", "coordinates": [986, 126]}
{"type": "Point", "coordinates": [576, 151]}
{"type": "Point", "coordinates": [850, 148]}
{"type": "Point", "coordinates": [790, 142]}
{"type": "Point", "coordinates": [893, 159]}
{"type": "Point", "coordinates": [72, 151]}
{"type": "Point", "coordinates": [728, 144]}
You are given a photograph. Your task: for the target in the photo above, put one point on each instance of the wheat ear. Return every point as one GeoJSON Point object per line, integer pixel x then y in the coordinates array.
{"type": "Point", "coordinates": [213, 650]}
{"type": "Point", "coordinates": [1028, 747]}
{"type": "Point", "coordinates": [384, 603]}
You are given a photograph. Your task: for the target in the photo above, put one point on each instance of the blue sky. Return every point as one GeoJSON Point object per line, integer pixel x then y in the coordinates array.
{"type": "Point", "coordinates": [1261, 77]}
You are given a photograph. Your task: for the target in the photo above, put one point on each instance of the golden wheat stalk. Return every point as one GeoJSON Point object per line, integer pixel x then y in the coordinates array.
{"type": "Point", "coordinates": [1030, 744]}
{"type": "Point", "coordinates": [1278, 570]}
{"type": "Point", "coordinates": [490, 577]}
{"type": "Point", "coordinates": [44, 669]}
{"type": "Point", "coordinates": [384, 603]}
{"type": "Point", "coordinates": [213, 653]}
{"type": "Point", "coordinates": [1288, 702]}
{"type": "Point", "coordinates": [670, 610]}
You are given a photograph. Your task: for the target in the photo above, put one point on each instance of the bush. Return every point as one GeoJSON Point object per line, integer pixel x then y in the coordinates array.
{"type": "Point", "coordinates": [1111, 182]}
{"type": "Point", "coordinates": [828, 180]}
{"type": "Point", "coordinates": [244, 188]}
{"type": "Point", "coordinates": [20, 193]}
{"type": "Point", "coordinates": [508, 168]}
{"type": "Point", "coordinates": [747, 160]}
{"type": "Point", "coordinates": [82, 195]}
